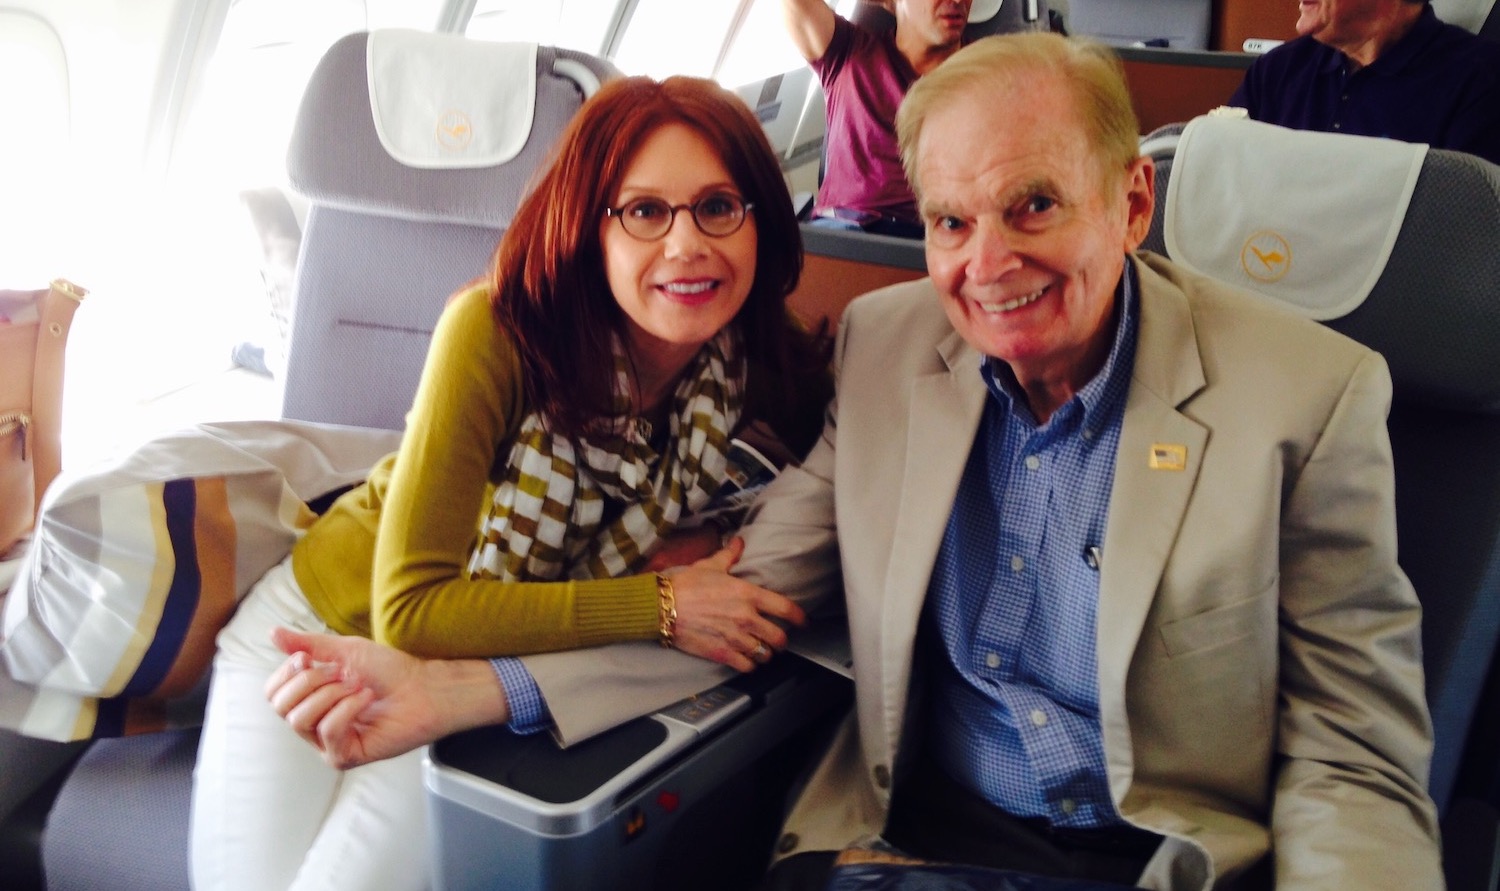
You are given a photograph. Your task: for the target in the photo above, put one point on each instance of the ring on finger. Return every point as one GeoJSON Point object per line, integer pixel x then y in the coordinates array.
{"type": "Point", "coordinates": [761, 651]}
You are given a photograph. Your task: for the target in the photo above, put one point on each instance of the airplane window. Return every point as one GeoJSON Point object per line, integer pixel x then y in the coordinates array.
{"type": "Point", "coordinates": [34, 109]}
{"type": "Point", "coordinates": [242, 118]}
{"type": "Point", "coordinates": [667, 37]}
{"type": "Point", "coordinates": [761, 48]}
{"type": "Point", "coordinates": [186, 265]}
{"type": "Point", "coordinates": [514, 20]}
{"type": "Point", "coordinates": [575, 24]}
{"type": "Point", "coordinates": [235, 138]}
{"type": "Point", "coordinates": [236, 134]}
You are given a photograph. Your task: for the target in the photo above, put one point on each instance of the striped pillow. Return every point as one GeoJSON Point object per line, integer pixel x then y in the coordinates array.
{"type": "Point", "coordinates": [109, 627]}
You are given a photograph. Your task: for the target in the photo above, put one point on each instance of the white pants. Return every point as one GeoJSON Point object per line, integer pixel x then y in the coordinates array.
{"type": "Point", "coordinates": [268, 812]}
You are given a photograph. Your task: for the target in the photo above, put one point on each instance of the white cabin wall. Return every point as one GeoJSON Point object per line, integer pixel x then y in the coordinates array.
{"type": "Point", "coordinates": [112, 50]}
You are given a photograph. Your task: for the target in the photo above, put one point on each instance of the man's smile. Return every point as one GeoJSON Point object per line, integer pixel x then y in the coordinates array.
{"type": "Point", "coordinates": [1012, 304]}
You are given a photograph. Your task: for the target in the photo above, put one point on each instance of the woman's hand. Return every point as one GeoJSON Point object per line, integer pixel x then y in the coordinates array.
{"type": "Point", "coordinates": [725, 619]}
{"type": "Point", "coordinates": [358, 701]}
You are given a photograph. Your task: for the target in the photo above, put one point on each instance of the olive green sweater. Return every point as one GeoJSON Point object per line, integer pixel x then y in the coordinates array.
{"type": "Point", "coordinates": [389, 559]}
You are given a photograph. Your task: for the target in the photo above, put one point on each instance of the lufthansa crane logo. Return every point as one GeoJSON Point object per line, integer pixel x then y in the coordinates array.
{"type": "Point", "coordinates": [454, 131]}
{"type": "Point", "coordinates": [1266, 257]}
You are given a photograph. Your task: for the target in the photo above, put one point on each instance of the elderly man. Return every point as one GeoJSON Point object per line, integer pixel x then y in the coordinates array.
{"type": "Point", "coordinates": [1381, 68]}
{"type": "Point", "coordinates": [864, 78]}
{"type": "Point", "coordinates": [1116, 543]}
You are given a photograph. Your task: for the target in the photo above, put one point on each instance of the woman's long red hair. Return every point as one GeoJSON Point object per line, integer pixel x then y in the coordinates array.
{"type": "Point", "coordinates": [547, 277]}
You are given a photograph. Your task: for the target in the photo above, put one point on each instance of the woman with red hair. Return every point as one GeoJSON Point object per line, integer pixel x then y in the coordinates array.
{"type": "Point", "coordinates": [575, 420]}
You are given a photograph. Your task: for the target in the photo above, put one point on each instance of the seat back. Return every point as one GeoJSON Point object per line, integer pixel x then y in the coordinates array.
{"type": "Point", "coordinates": [1174, 24]}
{"type": "Point", "coordinates": [414, 150]}
{"type": "Point", "coordinates": [872, 17]}
{"type": "Point", "coordinates": [1433, 311]}
{"type": "Point", "coordinates": [1479, 16]}
{"type": "Point", "coordinates": [988, 17]}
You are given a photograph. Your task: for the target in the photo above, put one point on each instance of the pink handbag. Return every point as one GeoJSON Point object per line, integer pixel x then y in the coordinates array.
{"type": "Point", "coordinates": [34, 329]}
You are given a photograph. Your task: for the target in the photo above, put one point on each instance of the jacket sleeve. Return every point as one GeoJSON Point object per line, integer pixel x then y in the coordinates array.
{"type": "Point", "coordinates": [1350, 807]}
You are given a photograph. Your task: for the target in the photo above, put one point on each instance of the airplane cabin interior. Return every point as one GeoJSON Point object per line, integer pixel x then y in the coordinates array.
{"type": "Point", "coordinates": [209, 172]}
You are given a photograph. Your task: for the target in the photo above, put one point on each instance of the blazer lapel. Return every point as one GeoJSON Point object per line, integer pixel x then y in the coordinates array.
{"type": "Point", "coordinates": [1156, 467]}
{"type": "Point", "coordinates": [944, 415]}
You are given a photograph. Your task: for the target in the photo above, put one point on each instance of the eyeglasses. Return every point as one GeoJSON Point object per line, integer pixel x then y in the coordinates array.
{"type": "Point", "coordinates": [717, 216]}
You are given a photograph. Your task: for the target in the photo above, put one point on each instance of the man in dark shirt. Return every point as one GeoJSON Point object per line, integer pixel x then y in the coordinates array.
{"type": "Point", "coordinates": [1386, 68]}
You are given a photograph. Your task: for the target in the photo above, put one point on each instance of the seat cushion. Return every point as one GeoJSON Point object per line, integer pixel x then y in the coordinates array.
{"type": "Point", "coordinates": [121, 819]}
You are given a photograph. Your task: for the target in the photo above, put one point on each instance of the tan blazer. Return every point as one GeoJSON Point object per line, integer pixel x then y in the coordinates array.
{"type": "Point", "coordinates": [1260, 678]}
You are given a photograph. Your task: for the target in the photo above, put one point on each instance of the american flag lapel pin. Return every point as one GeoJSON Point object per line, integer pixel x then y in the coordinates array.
{"type": "Point", "coordinates": [1167, 456]}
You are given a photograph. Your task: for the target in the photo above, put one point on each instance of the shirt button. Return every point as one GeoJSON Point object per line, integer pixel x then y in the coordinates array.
{"type": "Point", "coordinates": [882, 776]}
{"type": "Point", "coordinates": [1068, 806]}
{"type": "Point", "coordinates": [1338, 126]}
{"type": "Point", "coordinates": [1088, 434]}
{"type": "Point", "coordinates": [1017, 564]}
{"type": "Point", "coordinates": [992, 660]}
{"type": "Point", "coordinates": [1033, 462]}
{"type": "Point", "coordinates": [1038, 717]}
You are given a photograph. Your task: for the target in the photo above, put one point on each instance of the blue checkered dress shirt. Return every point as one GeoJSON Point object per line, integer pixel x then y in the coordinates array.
{"type": "Point", "coordinates": [528, 711]}
{"type": "Point", "coordinates": [1014, 593]}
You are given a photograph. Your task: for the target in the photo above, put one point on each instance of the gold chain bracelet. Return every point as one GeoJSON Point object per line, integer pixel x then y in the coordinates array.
{"type": "Point", "coordinates": [666, 604]}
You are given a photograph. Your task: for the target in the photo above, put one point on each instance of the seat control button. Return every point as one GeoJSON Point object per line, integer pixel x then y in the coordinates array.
{"type": "Point", "coordinates": [787, 843]}
{"type": "Point", "coordinates": [882, 776]}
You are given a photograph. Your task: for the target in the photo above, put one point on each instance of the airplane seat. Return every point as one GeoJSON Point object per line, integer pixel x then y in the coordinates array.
{"type": "Point", "coordinates": [1480, 16]}
{"type": "Point", "coordinates": [873, 17]}
{"type": "Point", "coordinates": [1404, 258]}
{"type": "Point", "coordinates": [1169, 24]}
{"type": "Point", "coordinates": [987, 17]}
{"type": "Point", "coordinates": [413, 165]}
{"type": "Point", "coordinates": [1160, 145]}
{"type": "Point", "coordinates": [418, 187]}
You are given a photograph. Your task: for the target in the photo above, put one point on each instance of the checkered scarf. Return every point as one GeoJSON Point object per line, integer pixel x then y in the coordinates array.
{"type": "Point", "coordinates": [547, 520]}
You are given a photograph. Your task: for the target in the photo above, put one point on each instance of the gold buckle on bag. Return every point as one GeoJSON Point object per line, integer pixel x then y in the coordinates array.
{"type": "Point", "coordinates": [12, 421]}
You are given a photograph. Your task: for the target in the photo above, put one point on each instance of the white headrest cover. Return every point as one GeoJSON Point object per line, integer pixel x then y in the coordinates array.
{"type": "Point", "coordinates": [1306, 218]}
{"type": "Point", "coordinates": [984, 10]}
{"type": "Point", "coordinates": [441, 100]}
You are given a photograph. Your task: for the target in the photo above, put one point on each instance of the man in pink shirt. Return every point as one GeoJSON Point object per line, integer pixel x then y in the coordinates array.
{"type": "Point", "coordinates": [865, 76]}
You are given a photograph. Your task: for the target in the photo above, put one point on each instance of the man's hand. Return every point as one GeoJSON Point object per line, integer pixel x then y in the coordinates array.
{"type": "Point", "coordinates": [358, 701]}
{"type": "Point", "coordinates": [685, 546]}
{"type": "Point", "coordinates": [725, 619]}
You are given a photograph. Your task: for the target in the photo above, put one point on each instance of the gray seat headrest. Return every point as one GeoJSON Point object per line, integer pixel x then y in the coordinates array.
{"type": "Point", "coordinates": [338, 158]}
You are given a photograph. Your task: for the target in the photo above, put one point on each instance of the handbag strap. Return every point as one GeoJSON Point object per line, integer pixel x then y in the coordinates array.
{"type": "Point", "coordinates": [58, 307]}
